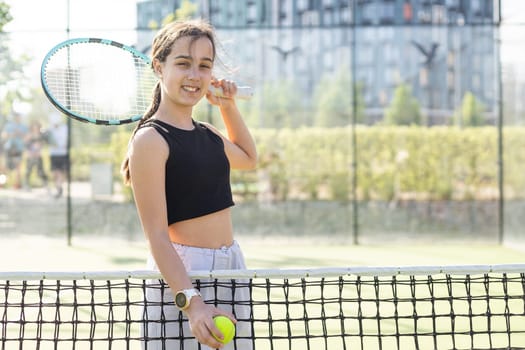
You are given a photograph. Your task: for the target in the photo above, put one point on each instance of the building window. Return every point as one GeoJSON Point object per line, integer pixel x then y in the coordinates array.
{"type": "Point", "coordinates": [453, 4]}
{"type": "Point", "coordinates": [424, 15]}
{"type": "Point", "coordinates": [303, 5]}
{"type": "Point", "coordinates": [387, 13]}
{"type": "Point", "coordinates": [386, 34]}
{"type": "Point", "coordinates": [328, 18]}
{"type": "Point", "coordinates": [328, 4]}
{"type": "Point", "coordinates": [310, 19]}
{"type": "Point", "coordinates": [365, 55]}
{"type": "Point", "coordinates": [251, 15]}
{"type": "Point", "coordinates": [390, 53]}
{"type": "Point", "coordinates": [438, 14]}
{"type": "Point", "coordinates": [392, 76]}
{"type": "Point", "coordinates": [476, 82]}
{"type": "Point", "coordinates": [346, 15]}
{"type": "Point", "coordinates": [328, 59]}
{"type": "Point", "coordinates": [368, 13]}
{"type": "Point", "coordinates": [476, 7]}
{"type": "Point", "coordinates": [451, 80]}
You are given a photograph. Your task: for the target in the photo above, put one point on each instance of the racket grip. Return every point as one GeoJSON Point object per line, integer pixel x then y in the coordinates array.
{"type": "Point", "coordinates": [243, 92]}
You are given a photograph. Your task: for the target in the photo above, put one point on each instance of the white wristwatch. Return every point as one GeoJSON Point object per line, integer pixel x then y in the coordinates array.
{"type": "Point", "coordinates": [183, 297]}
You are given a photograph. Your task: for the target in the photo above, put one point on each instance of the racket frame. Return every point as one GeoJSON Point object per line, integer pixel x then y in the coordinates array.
{"type": "Point", "coordinates": [64, 109]}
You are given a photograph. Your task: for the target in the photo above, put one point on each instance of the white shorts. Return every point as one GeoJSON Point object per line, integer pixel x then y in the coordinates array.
{"type": "Point", "coordinates": [163, 321]}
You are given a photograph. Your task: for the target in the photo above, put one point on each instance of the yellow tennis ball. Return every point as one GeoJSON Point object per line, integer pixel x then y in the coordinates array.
{"type": "Point", "coordinates": [227, 328]}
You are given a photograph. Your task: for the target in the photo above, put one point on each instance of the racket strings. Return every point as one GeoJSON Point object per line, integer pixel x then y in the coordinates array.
{"type": "Point", "coordinates": [99, 81]}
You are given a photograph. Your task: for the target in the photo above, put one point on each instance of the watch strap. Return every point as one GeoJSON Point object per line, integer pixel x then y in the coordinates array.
{"type": "Point", "coordinates": [189, 294]}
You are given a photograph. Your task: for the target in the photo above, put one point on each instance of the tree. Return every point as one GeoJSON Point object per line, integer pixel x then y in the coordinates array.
{"type": "Point", "coordinates": [333, 96]}
{"type": "Point", "coordinates": [281, 104]}
{"type": "Point", "coordinates": [471, 111]}
{"type": "Point", "coordinates": [12, 79]}
{"type": "Point", "coordinates": [186, 10]}
{"type": "Point", "coordinates": [404, 108]}
{"type": "Point", "coordinates": [5, 16]}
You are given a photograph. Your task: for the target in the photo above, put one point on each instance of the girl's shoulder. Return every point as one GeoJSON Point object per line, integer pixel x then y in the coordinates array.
{"type": "Point", "coordinates": [154, 124]}
{"type": "Point", "coordinates": [146, 136]}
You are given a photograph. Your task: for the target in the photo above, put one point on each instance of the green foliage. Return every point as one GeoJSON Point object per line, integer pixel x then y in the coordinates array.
{"type": "Point", "coordinates": [514, 148]}
{"type": "Point", "coordinates": [41, 108]}
{"type": "Point", "coordinates": [333, 97]}
{"type": "Point", "coordinates": [471, 112]}
{"type": "Point", "coordinates": [282, 104]}
{"type": "Point", "coordinates": [393, 163]}
{"type": "Point", "coordinates": [5, 16]}
{"type": "Point", "coordinates": [187, 9]}
{"type": "Point", "coordinates": [12, 80]}
{"type": "Point", "coordinates": [404, 108]}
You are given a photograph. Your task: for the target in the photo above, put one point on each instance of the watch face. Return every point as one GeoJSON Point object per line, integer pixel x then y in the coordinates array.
{"type": "Point", "coordinates": [180, 299]}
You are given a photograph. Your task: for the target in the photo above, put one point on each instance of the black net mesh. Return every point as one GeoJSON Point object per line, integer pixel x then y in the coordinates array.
{"type": "Point", "coordinates": [484, 310]}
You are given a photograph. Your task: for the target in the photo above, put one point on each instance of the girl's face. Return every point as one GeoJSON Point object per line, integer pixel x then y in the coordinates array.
{"type": "Point", "coordinates": [187, 71]}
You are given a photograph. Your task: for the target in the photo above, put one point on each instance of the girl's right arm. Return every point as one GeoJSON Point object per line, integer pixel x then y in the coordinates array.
{"type": "Point", "coordinates": [147, 158]}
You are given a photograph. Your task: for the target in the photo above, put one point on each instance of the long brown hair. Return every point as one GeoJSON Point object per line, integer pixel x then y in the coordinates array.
{"type": "Point", "coordinates": [160, 50]}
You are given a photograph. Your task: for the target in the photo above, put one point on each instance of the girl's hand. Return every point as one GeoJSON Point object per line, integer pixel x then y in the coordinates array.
{"type": "Point", "coordinates": [229, 90]}
{"type": "Point", "coordinates": [202, 326]}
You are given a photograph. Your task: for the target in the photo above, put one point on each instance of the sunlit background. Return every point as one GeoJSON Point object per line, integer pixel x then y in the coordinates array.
{"type": "Point", "coordinates": [391, 141]}
{"type": "Point", "coordinates": [398, 120]}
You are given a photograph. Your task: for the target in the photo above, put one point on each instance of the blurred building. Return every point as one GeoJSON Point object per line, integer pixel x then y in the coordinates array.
{"type": "Point", "coordinates": [441, 48]}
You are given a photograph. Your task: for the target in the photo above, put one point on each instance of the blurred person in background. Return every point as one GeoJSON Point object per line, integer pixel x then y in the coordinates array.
{"type": "Point", "coordinates": [58, 152]}
{"type": "Point", "coordinates": [13, 136]}
{"type": "Point", "coordinates": [35, 140]}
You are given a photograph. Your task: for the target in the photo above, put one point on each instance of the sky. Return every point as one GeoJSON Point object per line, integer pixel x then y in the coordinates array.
{"type": "Point", "coordinates": [28, 15]}
{"type": "Point", "coordinates": [513, 32]}
{"type": "Point", "coordinates": [38, 25]}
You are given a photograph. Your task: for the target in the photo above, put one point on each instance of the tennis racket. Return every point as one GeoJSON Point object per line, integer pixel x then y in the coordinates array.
{"type": "Point", "coordinates": [102, 82]}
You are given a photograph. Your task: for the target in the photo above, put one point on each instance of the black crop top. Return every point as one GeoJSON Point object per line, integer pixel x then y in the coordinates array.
{"type": "Point", "coordinates": [197, 172]}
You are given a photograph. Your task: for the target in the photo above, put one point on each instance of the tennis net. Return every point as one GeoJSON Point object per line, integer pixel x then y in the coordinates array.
{"type": "Point", "coordinates": [426, 307]}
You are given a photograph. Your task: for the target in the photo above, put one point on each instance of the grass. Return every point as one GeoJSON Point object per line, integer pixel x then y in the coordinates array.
{"type": "Point", "coordinates": [36, 253]}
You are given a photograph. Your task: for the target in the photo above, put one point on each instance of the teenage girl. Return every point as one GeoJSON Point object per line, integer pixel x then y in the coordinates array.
{"type": "Point", "coordinates": [179, 171]}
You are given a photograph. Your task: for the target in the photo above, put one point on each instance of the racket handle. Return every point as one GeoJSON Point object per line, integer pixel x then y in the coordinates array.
{"type": "Point", "coordinates": [243, 92]}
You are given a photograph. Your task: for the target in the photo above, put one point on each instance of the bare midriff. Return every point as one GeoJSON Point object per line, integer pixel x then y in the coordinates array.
{"type": "Point", "coordinates": [209, 231]}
